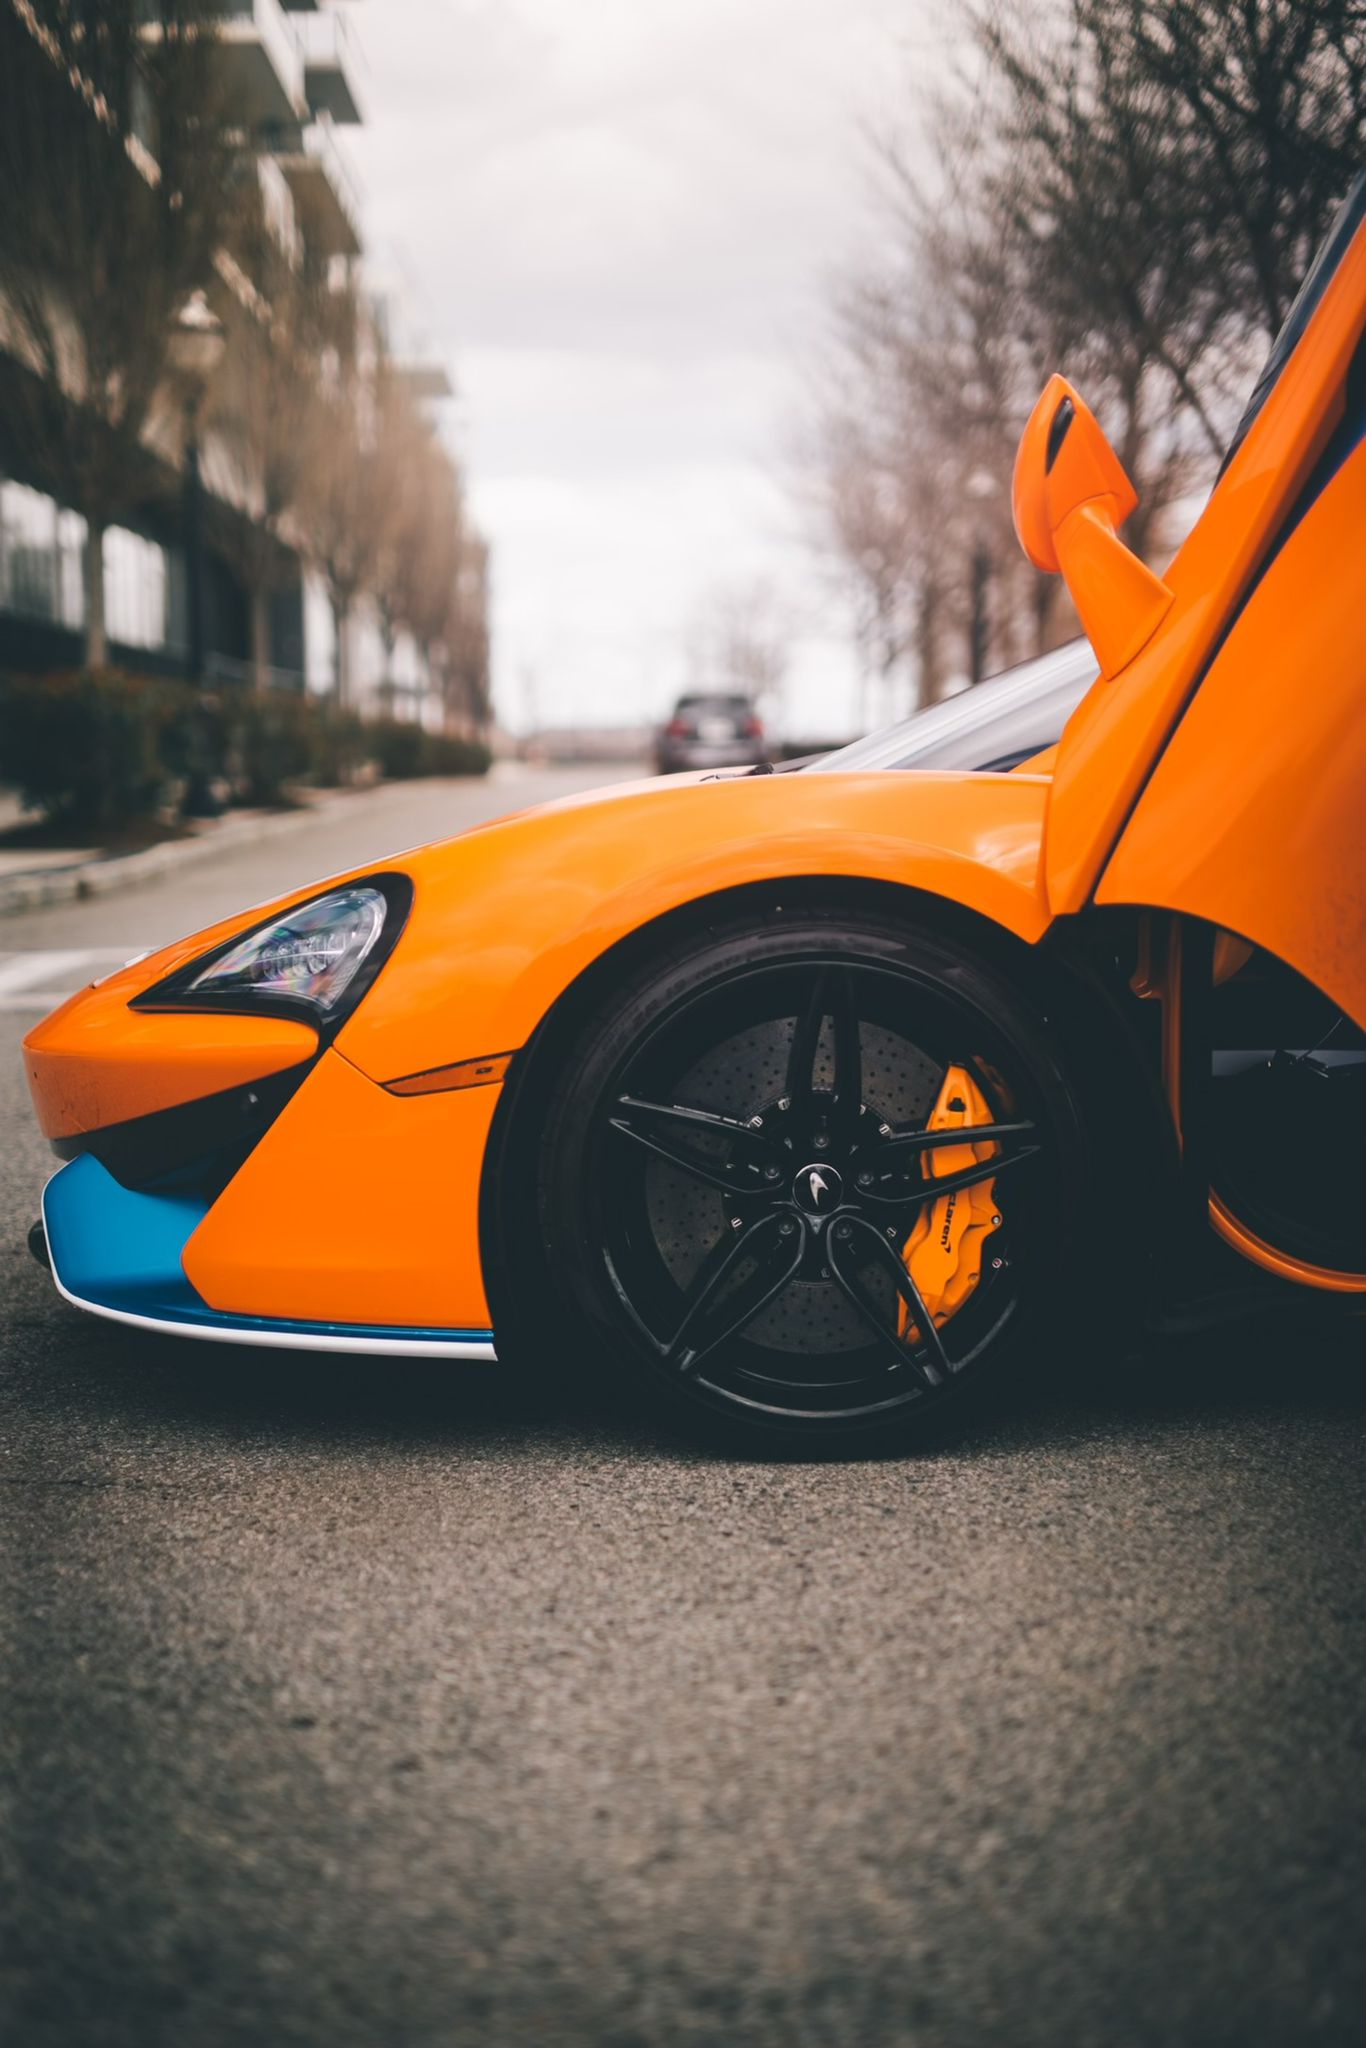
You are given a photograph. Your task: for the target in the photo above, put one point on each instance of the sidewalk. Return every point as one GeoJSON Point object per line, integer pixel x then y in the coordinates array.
{"type": "Point", "coordinates": [265, 854]}
{"type": "Point", "coordinates": [30, 879]}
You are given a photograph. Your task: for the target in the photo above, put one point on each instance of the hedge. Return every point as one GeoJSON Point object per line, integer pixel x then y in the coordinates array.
{"type": "Point", "coordinates": [98, 751]}
{"type": "Point", "coordinates": [403, 751]}
{"type": "Point", "coordinates": [93, 751]}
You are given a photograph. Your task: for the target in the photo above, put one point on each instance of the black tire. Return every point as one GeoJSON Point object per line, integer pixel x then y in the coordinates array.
{"type": "Point", "coordinates": [700, 1257]}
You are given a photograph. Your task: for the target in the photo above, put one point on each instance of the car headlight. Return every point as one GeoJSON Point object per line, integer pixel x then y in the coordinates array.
{"type": "Point", "coordinates": [314, 961]}
{"type": "Point", "coordinates": [311, 955]}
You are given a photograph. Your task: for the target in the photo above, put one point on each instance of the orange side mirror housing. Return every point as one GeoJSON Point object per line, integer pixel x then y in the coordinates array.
{"type": "Point", "coordinates": [1070, 497]}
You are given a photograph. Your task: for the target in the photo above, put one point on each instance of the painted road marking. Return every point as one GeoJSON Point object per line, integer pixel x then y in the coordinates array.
{"type": "Point", "coordinates": [39, 981]}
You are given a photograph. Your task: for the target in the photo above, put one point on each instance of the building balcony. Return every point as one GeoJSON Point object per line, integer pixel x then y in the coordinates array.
{"type": "Point", "coordinates": [327, 204]}
{"type": "Point", "coordinates": [278, 211]}
{"type": "Point", "coordinates": [330, 65]}
{"type": "Point", "coordinates": [425, 381]}
{"type": "Point", "coordinates": [261, 62]}
{"type": "Point", "coordinates": [258, 59]}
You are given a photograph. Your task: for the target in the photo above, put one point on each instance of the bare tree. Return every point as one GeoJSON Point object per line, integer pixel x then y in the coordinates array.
{"type": "Point", "coordinates": [1129, 189]}
{"type": "Point", "coordinates": [382, 508]}
{"type": "Point", "coordinates": [739, 641]}
{"type": "Point", "coordinates": [414, 555]}
{"type": "Point", "coordinates": [113, 199]}
{"type": "Point", "coordinates": [1083, 173]}
{"type": "Point", "coordinates": [913, 446]}
{"type": "Point", "coordinates": [863, 509]}
{"type": "Point", "coordinates": [750, 633]}
{"type": "Point", "coordinates": [1165, 169]}
{"type": "Point", "coordinates": [430, 571]}
{"type": "Point", "coordinates": [350, 481]}
{"type": "Point", "coordinates": [929, 377]}
{"type": "Point", "coordinates": [1265, 118]}
{"type": "Point", "coordinates": [341, 536]}
{"type": "Point", "coordinates": [463, 650]}
{"type": "Point", "coordinates": [263, 407]}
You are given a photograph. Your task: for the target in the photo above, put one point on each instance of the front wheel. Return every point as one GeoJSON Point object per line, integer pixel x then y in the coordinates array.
{"type": "Point", "coordinates": [809, 1178]}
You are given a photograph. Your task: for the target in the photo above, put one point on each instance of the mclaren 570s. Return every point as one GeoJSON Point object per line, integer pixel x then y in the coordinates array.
{"type": "Point", "coordinates": [811, 1099]}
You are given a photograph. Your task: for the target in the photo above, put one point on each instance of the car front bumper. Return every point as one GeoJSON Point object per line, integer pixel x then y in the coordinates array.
{"type": "Point", "coordinates": [301, 1204]}
{"type": "Point", "coordinates": [120, 1253]}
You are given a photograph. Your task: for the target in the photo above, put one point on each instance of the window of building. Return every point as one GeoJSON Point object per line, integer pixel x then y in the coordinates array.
{"type": "Point", "coordinates": [71, 570]}
{"type": "Point", "coordinates": [28, 552]}
{"type": "Point", "coordinates": [42, 570]}
{"type": "Point", "coordinates": [134, 589]}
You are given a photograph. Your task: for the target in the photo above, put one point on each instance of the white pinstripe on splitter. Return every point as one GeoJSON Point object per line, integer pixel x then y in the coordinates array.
{"type": "Point", "coordinates": [277, 1339]}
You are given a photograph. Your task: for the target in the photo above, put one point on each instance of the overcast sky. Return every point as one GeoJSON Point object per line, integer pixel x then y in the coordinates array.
{"type": "Point", "coordinates": [619, 221]}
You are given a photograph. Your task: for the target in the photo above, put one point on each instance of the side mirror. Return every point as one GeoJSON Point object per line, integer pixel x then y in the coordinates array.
{"type": "Point", "coordinates": [1070, 496]}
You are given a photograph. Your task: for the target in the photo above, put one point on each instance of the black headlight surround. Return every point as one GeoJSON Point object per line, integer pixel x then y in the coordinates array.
{"type": "Point", "coordinates": [174, 993]}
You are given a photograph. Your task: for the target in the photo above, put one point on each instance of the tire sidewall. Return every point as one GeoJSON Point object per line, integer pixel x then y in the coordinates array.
{"type": "Point", "coordinates": [1010, 1020]}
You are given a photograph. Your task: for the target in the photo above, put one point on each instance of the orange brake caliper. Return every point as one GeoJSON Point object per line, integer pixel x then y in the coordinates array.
{"type": "Point", "coordinates": [943, 1253]}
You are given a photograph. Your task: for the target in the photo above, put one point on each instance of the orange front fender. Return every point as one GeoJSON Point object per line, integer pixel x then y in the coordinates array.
{"type": "Point", "coordinates": [507, 917]}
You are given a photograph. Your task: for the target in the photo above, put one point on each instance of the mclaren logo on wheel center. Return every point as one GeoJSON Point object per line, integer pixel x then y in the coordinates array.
{"type": "Point", "coordinates": [818, 1190]}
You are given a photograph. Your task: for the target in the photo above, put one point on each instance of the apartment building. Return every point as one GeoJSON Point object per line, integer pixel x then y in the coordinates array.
{"type": "Point", "coordinates": [284, 77]}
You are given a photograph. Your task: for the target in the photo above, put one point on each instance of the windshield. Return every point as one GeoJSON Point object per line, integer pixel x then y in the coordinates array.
{"type": "Point", "coordinates": [993, 726]}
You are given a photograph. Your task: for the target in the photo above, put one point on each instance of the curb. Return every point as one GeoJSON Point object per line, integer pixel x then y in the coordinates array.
{"type": "Point", "coordinates": [130, 870]}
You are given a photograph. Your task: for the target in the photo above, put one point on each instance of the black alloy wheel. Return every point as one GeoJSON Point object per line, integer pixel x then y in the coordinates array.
{"type": "Point", "coordinates": [737, 1157]}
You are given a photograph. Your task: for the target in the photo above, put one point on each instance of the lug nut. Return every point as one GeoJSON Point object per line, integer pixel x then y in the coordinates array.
{"type": "Point", "coordinates": [786, 1227]}
{"type": "Point", "coordinates": [822, 1143]}
{"type": "Point", "coordinates": [770, 1173]}
{"type": "Point", "coordinates": [842, 1230]}
{"type": "Point", "coordinates": [865, 1180]}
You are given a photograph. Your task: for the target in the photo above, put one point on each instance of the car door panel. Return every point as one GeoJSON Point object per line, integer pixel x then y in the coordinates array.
{"type": "Point", "coordinates": [1254, 818]}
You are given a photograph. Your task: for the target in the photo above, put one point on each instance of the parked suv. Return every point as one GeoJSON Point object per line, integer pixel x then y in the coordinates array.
{"type": "Point", "coordinates": [711, 729]}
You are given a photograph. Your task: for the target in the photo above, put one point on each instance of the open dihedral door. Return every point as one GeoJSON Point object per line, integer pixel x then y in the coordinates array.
{"type": "Point", "coordinates": [1254, 818]}
{"type": "Point", "coordinates": [1215, 777]}
{"type": "Point", "coordinates": [1251, 831]}
{"type": "Point", "coordinates": [1290, 468]}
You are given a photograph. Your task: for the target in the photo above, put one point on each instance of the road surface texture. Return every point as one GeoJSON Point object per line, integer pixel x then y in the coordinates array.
{"type": "Point", "coordinates": [358, 1702]}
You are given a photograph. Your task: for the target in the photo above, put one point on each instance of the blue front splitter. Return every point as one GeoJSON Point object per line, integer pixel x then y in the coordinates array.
{"type": "Point", "coordinates": [117, 1252]}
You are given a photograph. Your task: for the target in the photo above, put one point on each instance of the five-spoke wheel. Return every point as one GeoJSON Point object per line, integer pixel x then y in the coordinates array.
{"type": "Point", "coordinates": [818, 1186]}
{"type": "Point", "coordinates": [807, 1172]}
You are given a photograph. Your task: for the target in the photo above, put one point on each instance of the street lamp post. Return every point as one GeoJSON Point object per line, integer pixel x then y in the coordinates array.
{"type": "Point", "coordinates": [981, 486]}
{"type": "Point", "coordinates": [978, 623]}
{"type": "Point", "coordinates": [196, 348]}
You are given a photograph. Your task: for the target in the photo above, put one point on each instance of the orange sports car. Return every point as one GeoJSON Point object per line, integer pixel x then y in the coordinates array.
{"type": "Point", "coordinates": [813, 1098]}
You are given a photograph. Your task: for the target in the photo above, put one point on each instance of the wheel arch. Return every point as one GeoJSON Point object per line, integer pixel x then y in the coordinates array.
{"type": "Point", "coordinates": [787, 895]}
{"type": "Point", "coordinates": [1061, 974]}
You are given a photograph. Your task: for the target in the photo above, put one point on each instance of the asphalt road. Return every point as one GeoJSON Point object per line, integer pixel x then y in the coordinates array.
{"type": "Point", "coordinates": [352, 1702]}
